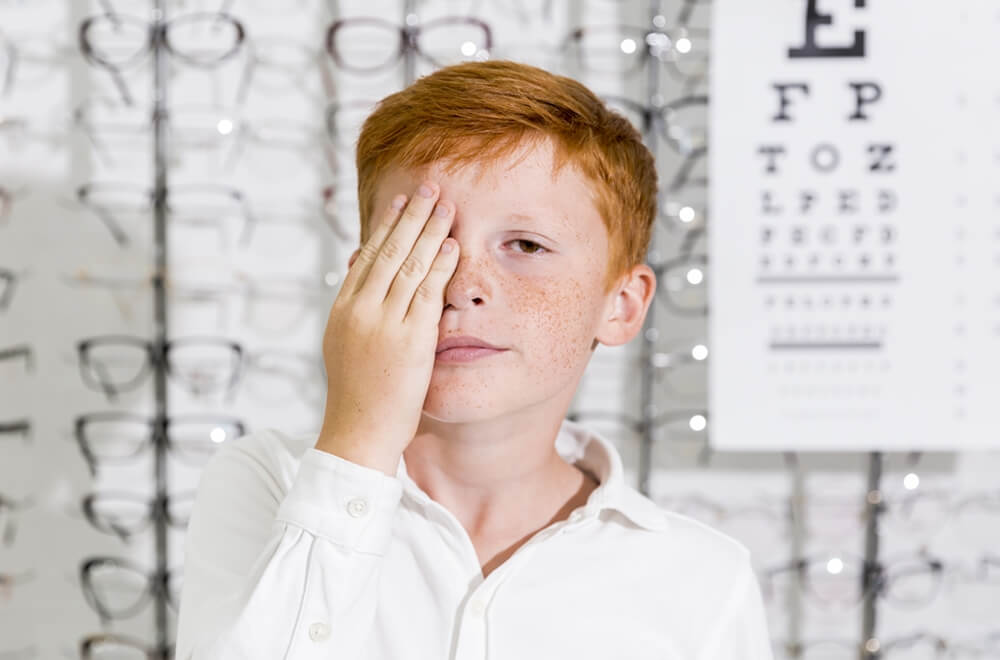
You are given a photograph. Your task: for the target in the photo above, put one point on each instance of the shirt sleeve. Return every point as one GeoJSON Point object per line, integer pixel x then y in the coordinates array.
{"type": "Point", "coordinates": [741, 633]}
{"type": "Point", "coordinates": [292, 576]}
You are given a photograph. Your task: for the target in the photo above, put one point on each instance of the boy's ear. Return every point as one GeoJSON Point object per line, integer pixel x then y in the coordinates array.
{"type": "Point", "coordinates": [627, 304]}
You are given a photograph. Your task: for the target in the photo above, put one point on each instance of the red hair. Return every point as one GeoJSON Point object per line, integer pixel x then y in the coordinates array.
{"type": "Point", "coordinates": [484, 111]}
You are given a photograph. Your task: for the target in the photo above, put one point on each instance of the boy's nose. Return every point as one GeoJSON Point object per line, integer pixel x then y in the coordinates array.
{"type": "Point", "coordinates": [468, 285]}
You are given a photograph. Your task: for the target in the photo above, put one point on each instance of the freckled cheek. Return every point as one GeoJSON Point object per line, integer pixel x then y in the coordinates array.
{"type": "Point", "coordinates": [553, 324]}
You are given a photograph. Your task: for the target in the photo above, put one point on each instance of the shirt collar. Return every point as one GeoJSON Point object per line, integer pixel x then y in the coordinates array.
{"type": "Point", "coordinates": [591, 452]}
{"type": "Point", "coordinates": [597, 455]}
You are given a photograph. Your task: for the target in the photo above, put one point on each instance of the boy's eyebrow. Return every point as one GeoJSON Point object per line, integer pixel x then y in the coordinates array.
{"type": "Point", "coordinates": [546, 220]}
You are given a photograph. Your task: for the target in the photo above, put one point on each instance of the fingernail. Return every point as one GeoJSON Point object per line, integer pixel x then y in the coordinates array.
{"type": "Point", "coordinates": [425, 190]}
{"type": "Point", "coordinates": [441, 210]}
{"type": "Point", "coordinates": [399, 202]}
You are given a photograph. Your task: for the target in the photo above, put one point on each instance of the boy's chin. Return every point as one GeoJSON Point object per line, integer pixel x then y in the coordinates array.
{"type": "Point", "coordinates": [457, 411]}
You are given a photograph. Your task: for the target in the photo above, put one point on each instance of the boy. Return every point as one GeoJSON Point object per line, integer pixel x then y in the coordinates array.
{"type": "Point", "coordinates": [446, 508]}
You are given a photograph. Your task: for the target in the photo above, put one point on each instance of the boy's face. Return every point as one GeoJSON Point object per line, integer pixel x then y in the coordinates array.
{"type": "Point", "coordinates": [543, 304]}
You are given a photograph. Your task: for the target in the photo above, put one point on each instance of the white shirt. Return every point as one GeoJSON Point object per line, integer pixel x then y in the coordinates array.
{"type": "Point", "coordinates": [293, 553]}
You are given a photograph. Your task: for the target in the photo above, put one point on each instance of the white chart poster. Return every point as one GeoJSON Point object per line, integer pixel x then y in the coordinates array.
{"type": "Point", "coordinates": [854, 226]}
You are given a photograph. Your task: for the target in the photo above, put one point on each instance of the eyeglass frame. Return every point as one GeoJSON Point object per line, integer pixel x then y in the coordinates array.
{"type": "Point", "coordinates": [120, 236]}
{"type": "Point", "coordinates": [661, 268]}
{"type": "Point", "coordinates": [22, 426]}
{"type": "Point", "coordinates": [159, 433]}
{"type": "Point", "coordinates": [156, 355]}
{"type": "Point", "coordinates": [87, 644]}
{"type": "Point", "coordinates": [408, 35]}
{"type": "Point", "coordinates": [157, 506]}
{"type": "Point", "coordinates": [157, 585]}
{"type": "Point", "coordinates": [656, 115]}
{"type": "Point", "coordinates": [643, 53]}
{"type": "Point", "coordinates": [157, 35]}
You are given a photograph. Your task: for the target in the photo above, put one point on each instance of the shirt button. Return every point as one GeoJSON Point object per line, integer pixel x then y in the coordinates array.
{"type": "Point", "coordinates": [477, 607]}
{"type": "Point", "coordinates": [357, 507]}
{"type": "Point", "coordinates": [575, 516]}
{"type": "Point", "coordinates": [319, 632]}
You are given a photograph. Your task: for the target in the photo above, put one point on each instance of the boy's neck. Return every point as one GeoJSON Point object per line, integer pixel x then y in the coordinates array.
{"type": "Point", "coordinates": [498, 487]}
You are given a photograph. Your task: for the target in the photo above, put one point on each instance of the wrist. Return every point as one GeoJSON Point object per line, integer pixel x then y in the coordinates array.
{"type": "Point", "coordinates": [358, 452]}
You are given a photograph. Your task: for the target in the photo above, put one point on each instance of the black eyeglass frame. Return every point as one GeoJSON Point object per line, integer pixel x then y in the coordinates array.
{"type": "Point", "coordinates": [155, 356]}
{"type": "Point", "coordinates": [157, 34]}
{"type": "Point", "coordinates": [408, 39]}
{"type": "Point", "coordinates": [159, 432]}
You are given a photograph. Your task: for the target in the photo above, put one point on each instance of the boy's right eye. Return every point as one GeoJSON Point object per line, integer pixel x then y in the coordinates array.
{"type": "Point", "coordinates": [534, 249]}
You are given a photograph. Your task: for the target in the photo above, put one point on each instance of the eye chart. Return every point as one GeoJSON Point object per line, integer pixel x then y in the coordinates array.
{"type": "Point", "coordinates": [854, 225]}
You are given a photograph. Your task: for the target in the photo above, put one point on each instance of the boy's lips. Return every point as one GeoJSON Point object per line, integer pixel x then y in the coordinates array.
{"type": "Point", "coordinates": [465, 341]}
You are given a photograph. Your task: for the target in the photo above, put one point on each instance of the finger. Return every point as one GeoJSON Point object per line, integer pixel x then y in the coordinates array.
{"type": "Point", "coordinates": [397, 245]}
{"type": "Point", "coordinates": [428, 300]}
{"type": "Point", "coordinates": [418, 263]}
{"type": "Point", "coordinates": [358, 271]}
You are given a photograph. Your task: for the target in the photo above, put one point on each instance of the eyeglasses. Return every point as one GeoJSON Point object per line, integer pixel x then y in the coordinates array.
{"type": "Point", "coordinates": [278, 65]}
{"type": "Point", "coordinates": [743, 519]}
{"type": "Point", "coordinates": [915, 646]}
{"type": "Point", "coordinates": [685, 12]}
{"type": "Point", "coordinates": [116, 42]}
{"type": "Point", "coordinates": [684, 288]}
{"type": "Point", "coordinates": [22, 352]}
{"type": "Point", "coordinates": [287, 230]}
{"type": "Point", "coordinates": [624, 49]}
{"type": "Point", "coordinates": [17, 427]}
{"type": "Point", "coordinates": [683, 433]}
{"type": "Point", "coordinates": [204, 205]}
{"type": "Point", "coordinates": [344, 121]}
{"type": "Point", "coordinates": [180, 292]}
{"type": "Point", "coordinates": [367, 45]}
{"type": "Point", "coordinates": [29, 60]}
{"type": "Point", "coordinates": [682, 370]}
{"type": "Point", "coordinates": [835, 581]}
{"type": "Point", "coordinates": [340, 210]}
{"type": "Point", "coordinates": [278, 376]}
{"type": "Point", "coordinates": [8, 285]}
{"type": "Point", "coordinates": [275, 305]}
{"type": "Point", "coordinates": [683, 213]}
{"type": "Point", "coordinates": [281, 134]}
{"type": "Point", "coordinates": [126, 514]}
{"type": "Point", "coordinates": [116, 438]}
{"type": "Point", "coordinates": [114, 364]}
{"type": "Point", "coordinates": [682, 123]}
{"type": "Point", "coordinates": [118, 588]}
{"type": "Point", "coordinates": [108, 645]}
{"type": "Point", "coordinates": [112, 127]}
{"type": "Point", "coordinates": [927, 645]}
{"type": "Point", "coordinates": [9, 508]}
{"type": "Point", "coordinates": [926, 513]}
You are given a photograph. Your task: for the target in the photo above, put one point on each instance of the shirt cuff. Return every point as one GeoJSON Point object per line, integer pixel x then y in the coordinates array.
{"type": "Point", "coordinates": [348, 504]}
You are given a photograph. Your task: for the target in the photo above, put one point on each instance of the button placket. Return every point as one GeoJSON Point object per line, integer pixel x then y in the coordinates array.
{"type": "Point", "coordinates": [319, 631]}
{"type": "Point", "coordinates": [477, 608]}
{"type": "Point", "coordinates": [357, 507]}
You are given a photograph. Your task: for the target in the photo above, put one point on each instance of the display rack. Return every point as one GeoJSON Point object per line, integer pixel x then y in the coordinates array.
{"type": "Point", "coordinates": [158, 340]}
{"type": "Point", "coordinates": [872, 575]}
{"type": "Point", "coordinates": [160, 308]}
{"type": "Point", "coordinates": [648, 340]}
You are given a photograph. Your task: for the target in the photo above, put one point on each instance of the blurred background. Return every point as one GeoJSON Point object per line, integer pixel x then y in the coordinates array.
{"type": "Point", "coordinates": [230, 124]}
